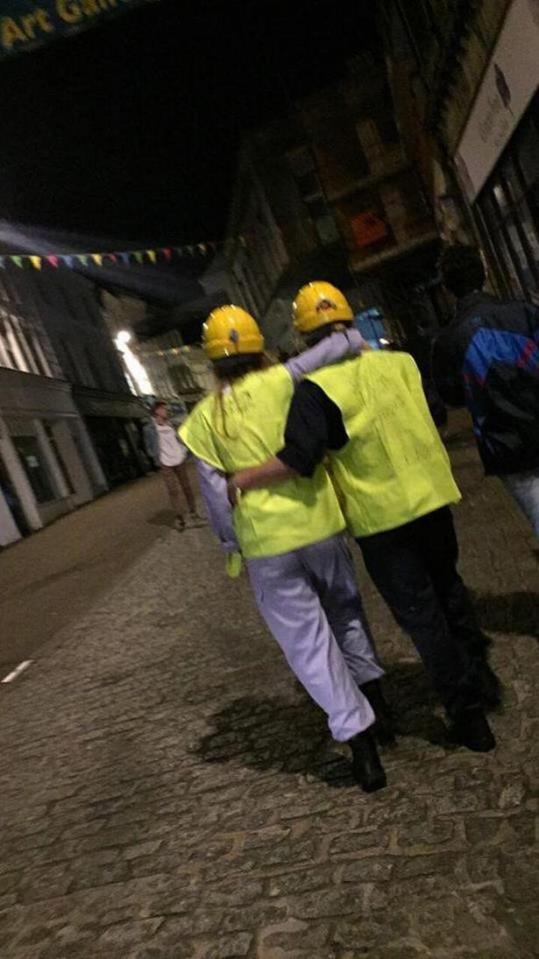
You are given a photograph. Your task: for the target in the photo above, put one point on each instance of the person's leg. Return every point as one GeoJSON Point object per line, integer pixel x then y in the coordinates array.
{"type": "Point", "coordinates": [171, 483]}
{"type": "Point", "coordinates": [524, 488]}
{"type": "Point", "coordinates": [182, 477]}
{"type": "Point", "coordinates": [438, 542]}
{"type": "Point", "coordinates": [330, 569]}
{"type": "Point", "coordinates": [397, 567]}
{"type": "Point", "coordinates": [292, 610]}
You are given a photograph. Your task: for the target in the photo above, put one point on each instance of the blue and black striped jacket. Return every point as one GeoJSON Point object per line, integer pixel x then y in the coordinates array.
{"type": "Point", "coordinates": [488, 360]}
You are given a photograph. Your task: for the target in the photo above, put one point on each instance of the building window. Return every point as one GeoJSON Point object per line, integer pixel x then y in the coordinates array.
{"type": "Point", "coordinates": [81, 375]}
{"type": "Point", "coordinates": [34, 465]}
{"type": "Point", "coordinates": [509, 204]}
{"type": "Point", "coordinates": [7, 356]}
{"type": "Point", "coordinates": [13, 347]}
{"type": "Point", "coordinates": [12, 291]}
{"type": "Point", "coordinates": [95, 370]}
{"type": "Point", "coordinates": [42, 361]}
{"type": "Point", "coordinates": [24, 346]}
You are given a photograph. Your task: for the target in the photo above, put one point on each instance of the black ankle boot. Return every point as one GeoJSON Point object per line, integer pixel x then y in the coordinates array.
{"type": "Point", "coordinates": [384, 728]}
{"type": "Point", "coordinates": [368, 770]}
{"type": "Point", "coordinates": [490, 688]}
{"type": "Point", "coordinates": [470, 728]}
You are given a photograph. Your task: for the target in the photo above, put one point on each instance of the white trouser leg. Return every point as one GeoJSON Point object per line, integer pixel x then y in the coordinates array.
{"type": "Point", "coordinates": [291, 607]}
{"type": "Point", "coordinates": [331, 569]}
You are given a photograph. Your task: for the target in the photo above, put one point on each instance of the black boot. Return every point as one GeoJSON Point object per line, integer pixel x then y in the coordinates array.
{"type": "Point", "coordinates": [383, 729]}
{"type": "Point", "coordinates": [368, 770]}
{"type": "Point", "coordinates": [470, 728]}
{"type": "Point", "coordinates": [490, 688]}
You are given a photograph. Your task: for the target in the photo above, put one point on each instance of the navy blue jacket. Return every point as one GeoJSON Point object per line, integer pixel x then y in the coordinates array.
{"type": "Point", "coordinates": [488, 360]}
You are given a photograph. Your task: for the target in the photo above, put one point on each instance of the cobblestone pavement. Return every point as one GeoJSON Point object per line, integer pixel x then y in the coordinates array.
{"type": "Point", "coordinates": [167, 791]}
{"type": "Point", "coordinates": [51, 578]}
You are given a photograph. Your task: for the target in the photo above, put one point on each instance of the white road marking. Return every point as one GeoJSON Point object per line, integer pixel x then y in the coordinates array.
{"type": "Point", "coordinates": [17, 671]}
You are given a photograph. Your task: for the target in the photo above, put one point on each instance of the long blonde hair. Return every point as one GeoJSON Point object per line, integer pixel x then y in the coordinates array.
{"type": "Point", "coordinates": [228, 371]}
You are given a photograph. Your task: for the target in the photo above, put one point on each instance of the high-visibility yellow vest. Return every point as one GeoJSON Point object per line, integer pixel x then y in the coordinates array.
{"type": "Point", "coordinates": [394, 468]}
{"type": "Point", "coordinates": [244, 427]}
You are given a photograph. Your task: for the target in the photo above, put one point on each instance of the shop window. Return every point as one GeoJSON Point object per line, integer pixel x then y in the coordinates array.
{"type": "Point", "coordinates": [60, 460]}
{"type": "Point", "coordinates": [527, 147]}
{"type": "Point", "coordinates": [33, 462]}
{"type": "Point", "coordinates": [364, 223]}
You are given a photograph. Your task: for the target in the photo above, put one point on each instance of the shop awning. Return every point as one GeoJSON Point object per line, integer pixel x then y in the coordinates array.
{"type": "Point", "coordinates": [27, 24]}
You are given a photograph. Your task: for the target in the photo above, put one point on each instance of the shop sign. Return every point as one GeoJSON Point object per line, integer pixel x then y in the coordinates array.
{"type": "Point", "coordinates": [511, 80]}
{"type": "Point", "coordinates": [25, 24]}
{"type": "Point", "coordinates": [368, 228]}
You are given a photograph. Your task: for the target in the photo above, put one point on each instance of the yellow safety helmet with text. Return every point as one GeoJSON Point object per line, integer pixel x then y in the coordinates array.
{"type": "Point", "coordinates": [231, 331]}
{"type": "Point", "coordinates": [317, 304]}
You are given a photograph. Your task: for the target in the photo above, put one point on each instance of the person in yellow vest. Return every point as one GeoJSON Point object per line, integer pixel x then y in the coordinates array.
{"type": "Point", "coordinates": [369, 415]}
{"type": "Point", "coordinates": [292, 538]}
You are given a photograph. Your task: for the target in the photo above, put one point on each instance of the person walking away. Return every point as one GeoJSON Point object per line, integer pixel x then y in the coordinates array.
{"type": "Point", "coordinates": [169, 455]}
{"type": "Point", "coordinates": [370, 416]}
{"type": "Point", "coordinates": [487, 359]}
{"type": "Point", "coordinates": [292, 539]}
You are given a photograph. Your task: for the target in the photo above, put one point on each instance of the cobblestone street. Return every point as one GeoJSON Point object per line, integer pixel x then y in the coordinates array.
{"type": "Point", "coordinates": [168, 792]}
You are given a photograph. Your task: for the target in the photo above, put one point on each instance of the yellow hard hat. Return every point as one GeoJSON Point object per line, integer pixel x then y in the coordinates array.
{"type": "Point", "coordinates": [319, 303]}
{"type": "Point", "coordinates": [230, 331]}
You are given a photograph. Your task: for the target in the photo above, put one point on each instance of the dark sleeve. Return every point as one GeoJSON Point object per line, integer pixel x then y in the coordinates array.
{"type": "Point", "coordinates": [533, 322]}
{"type": "Point", "coordinates": [446, 371]}
{"type": "Point", "coordinates": [314, 425]}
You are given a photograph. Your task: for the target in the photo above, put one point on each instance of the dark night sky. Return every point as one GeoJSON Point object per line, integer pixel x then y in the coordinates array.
{"type": "Point", "coordinates": [130, 129]}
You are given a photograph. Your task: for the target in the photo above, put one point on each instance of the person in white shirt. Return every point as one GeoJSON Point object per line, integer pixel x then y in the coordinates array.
{"type": "Point", "coordinates": [169, 454]}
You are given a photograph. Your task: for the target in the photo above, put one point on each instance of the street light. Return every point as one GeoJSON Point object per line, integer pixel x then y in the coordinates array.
{"type": "Point", "coordinates": [123, 338]}
{"type": "Point", "coordinates": [138, 377]}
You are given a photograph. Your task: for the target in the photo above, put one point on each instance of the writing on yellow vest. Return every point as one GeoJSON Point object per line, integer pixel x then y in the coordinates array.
{"type": "Point", "coordinates": [244, 427]}
{"type": "Point", "coordinates": [394, 468]}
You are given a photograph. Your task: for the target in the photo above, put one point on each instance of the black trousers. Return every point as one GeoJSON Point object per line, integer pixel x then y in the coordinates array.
{"type": "Point", "coordinates": [414, 567]}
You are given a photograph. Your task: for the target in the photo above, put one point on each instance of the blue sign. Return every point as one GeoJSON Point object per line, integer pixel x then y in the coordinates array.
{"type": "Point", "coordinates": [26, 24]}
{"type": "Point", "coordinates": [370, 324]}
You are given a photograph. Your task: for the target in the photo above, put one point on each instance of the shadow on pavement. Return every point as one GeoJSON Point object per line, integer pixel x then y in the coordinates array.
{"type": "Point", "coordinates": [272, 733]}
{"type": "Point", "coordinates": [413, 701]}
{"type": "Point", "coordinates": [516, 613]}
{"type": "Point", "coordinates": [162, 518]}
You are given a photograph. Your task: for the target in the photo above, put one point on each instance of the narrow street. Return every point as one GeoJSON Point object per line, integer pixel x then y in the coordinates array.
{"type": "Point", "coordinates": [82, 554]}
{"type": "Point", "coordinates": [168, 792]}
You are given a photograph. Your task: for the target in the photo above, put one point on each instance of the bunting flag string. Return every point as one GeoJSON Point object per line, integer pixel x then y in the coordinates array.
{"type": "Point", "coordinates": [153, 257]}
